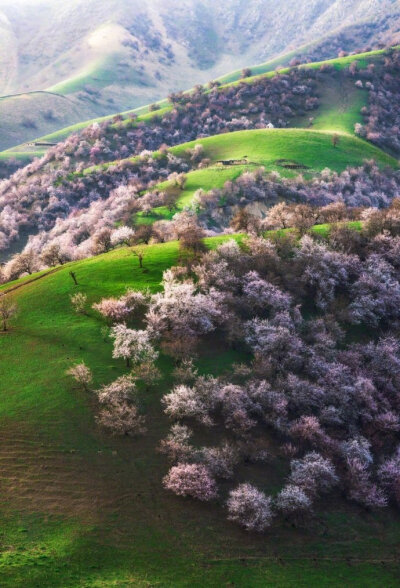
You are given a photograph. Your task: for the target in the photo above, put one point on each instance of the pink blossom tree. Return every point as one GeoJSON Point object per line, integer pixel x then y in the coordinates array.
{"type": "Point", "coordinates": [121, 309]}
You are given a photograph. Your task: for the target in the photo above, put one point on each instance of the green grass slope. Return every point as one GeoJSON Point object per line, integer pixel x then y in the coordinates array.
{"type": "Point", "coordinates": [80, 508]}
{"type": "Point", "coordinates": [340, 106]}
{"type": "Point", "coordinates": [311, 149]}
{"type": "Point", "coordinates": [338, 63]}
{"type": "Point", "coordinates": [283, 60]}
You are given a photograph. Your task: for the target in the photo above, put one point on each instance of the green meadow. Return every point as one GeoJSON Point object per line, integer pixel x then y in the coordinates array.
{"type": "Point", "coordinates": [312, 150]}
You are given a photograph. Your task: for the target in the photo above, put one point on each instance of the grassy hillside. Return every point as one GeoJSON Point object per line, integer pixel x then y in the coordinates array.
{"type": "Point", "coordinates": [312, 151]}
{"type": "Point", "coordinates": [338, 63]}
{"type": "Point", "coordinates": [79, 508]}
{"type": "Point", "coordinates": [340, 100]}
{"type": "Point", "coordinates": [25, 116]}
{"type": "Point", "coordinates": [309, 148]}
{"type": "Point", "coordinates": [270, 66]}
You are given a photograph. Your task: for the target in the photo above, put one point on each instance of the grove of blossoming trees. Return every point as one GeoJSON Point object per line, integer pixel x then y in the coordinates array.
{"type": "Point", "coordinates": [293, 201]}
{"type": "Point", "coordinates": [59, 206]}
{"type": "Point", "coordinates": [311, 393]}
{"type": "Point", "coordinates": [382, 115]}
{"type": "Point", "coordinates": [51, 190]}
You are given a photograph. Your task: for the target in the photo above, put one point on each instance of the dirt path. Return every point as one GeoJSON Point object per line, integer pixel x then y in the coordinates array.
{"type": "Point", "coordinates": [30, 281]}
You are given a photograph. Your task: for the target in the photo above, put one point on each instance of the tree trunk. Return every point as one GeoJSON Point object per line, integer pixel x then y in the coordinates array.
{"type": "Point", "coordinates": [73, 276]}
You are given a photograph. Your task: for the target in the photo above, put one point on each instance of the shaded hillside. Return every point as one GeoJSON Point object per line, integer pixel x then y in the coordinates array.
{"type": "Point", "coordinates": [26, 116]}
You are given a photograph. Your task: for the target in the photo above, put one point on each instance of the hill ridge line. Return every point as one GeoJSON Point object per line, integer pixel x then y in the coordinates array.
{"type": "Point", "coordinates": [7, 96]}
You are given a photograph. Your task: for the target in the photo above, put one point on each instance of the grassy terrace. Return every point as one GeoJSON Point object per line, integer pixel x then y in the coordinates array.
{"type": "Point", "coordinates": [79, 508]}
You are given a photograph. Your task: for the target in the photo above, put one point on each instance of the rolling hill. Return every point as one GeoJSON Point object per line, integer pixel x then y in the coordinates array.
{"type": "Point", "coordinates": [290, 332]}
{"type": "Point", "coordinates": [79, 508]}
{"type": "Point", "coordinates": [111, 56]}
{"type": "Point", "coordinates": [309, 152]}
{"type": "Point", "coordinates": [319, 101]}
{"type": "Point", "coordinates": [339, 109]}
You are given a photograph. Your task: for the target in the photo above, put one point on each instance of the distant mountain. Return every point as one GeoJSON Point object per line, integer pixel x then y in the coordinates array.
{"type": "Point", "coordinates": [111, 55]}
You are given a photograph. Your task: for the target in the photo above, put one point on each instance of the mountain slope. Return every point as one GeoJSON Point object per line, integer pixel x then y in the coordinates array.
{"type": "Point", "coordinates": [116, 55]}
{"type": "Point", "coordinates": [25, 116]}
{"type": "Point", "coordinates": [98, 177]}
{"type": "Point", "coordinates": [79, 507]}
{"type": "Point", "coordinates": [8, 55]}
{"type": "Point", "coordinates": [335, 94]}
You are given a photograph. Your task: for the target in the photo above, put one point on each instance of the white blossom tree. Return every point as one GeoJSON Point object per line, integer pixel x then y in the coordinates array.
{"type": "Point", "coordinates": [82, 375]}
{"type": "Point", "coordinates": [250, 508]}
{"type": "Point", "coordinates": [192, 480]}
{"type": "Point", "coordinates": [122, 418]}
{"type": "Point", "coordinates": [133, 346]}
{"type": "Point", "coordinates": [120, 390]}
{"type": "Point", "coordinates": [122, 235]}
{"type": "Point", "coordinates": [78, 302]}
{"type": "Point", "coordinates": [292, 501]}
{"type": "Point", "coordinates": [8, 309]}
